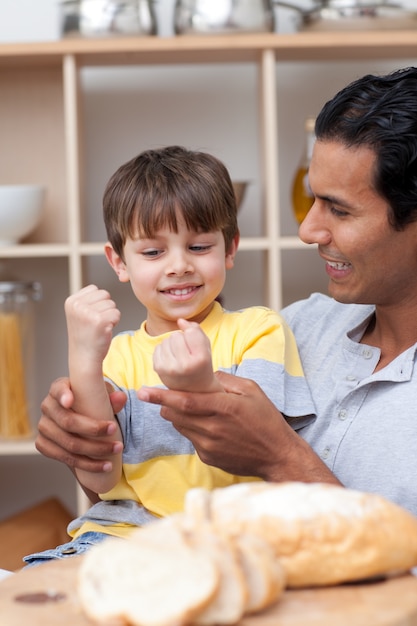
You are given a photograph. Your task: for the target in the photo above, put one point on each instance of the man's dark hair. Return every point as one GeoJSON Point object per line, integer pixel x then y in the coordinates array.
{"type": "Point", "coordinates": [380, 112]}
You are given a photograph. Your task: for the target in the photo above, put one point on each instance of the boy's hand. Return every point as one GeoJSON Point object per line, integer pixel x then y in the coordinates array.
{"type": "Point", "coordinates": [183, 360]}
{"type": "Point", "coordinates": [91, 316]}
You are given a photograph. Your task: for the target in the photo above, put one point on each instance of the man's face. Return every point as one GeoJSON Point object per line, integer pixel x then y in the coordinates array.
{"type": "Point", "coordinates": [367, 261]}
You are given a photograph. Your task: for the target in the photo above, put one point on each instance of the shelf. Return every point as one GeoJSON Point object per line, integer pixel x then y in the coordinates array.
{"type": "Point", "coordinates": [244, 48]}
{"type": "Point", "coordinates": [15, 447]}
{"type": "Point", "coordinates": [42, 110]}
{"type": "Point", "coordinates": [97, 249]}
{"type": "Point", "coordinates": [294, 243]}
{"type": "Point", "coordinates": [35, 250]}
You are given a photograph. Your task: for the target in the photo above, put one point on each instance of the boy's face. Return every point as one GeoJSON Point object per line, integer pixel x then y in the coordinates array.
{"type": "Point", "coordinates": [175, 274]}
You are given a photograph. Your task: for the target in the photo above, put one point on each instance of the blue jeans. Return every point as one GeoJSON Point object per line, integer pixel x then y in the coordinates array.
{"type": "Point", "coordinates": [73, 548]}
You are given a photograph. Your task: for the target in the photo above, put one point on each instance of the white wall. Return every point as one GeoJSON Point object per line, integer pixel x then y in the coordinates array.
{"type": "Point", "coordinates": [211, 108]}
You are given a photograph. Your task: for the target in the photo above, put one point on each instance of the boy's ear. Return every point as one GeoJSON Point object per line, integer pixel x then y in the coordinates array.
{"type": "Point", "coordinates": [116, 262]}
{"type": "Point", "coordinates": [231, 252]}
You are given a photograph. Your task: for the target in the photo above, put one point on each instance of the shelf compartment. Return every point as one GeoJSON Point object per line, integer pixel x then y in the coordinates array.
{"type": "Point", "coordinates": [31, 130]}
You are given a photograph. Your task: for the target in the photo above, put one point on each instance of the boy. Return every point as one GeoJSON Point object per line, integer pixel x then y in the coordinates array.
{"type": "Point", "coordinates": [171, 222]}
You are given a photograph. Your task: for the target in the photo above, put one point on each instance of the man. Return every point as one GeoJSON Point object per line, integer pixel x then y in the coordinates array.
{"type": "Point", "coordinates": [358, 346]}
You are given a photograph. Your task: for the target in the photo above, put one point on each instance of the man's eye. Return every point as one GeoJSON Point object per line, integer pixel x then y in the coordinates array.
{"type": "Point", "coordinates": [338, 212]}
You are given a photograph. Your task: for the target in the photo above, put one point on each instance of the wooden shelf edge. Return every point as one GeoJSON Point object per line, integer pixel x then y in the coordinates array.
{"type": "Point", "coordinates": [246, 243]}
{"type": "Point", "coordinates": [14, 447]}
{"type": "Point", "coordinates": [294, 243]}
{"type": "Point", "coordinates": [97, 248]}
{"type": "Point", "coordinates": [328, 45]}
{"type": "Point", "coordinates": [35, 250]}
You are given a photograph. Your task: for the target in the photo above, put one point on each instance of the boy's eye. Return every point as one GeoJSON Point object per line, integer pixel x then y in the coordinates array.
{"type": "Point", "coordinates": [151, 253]}
{"type": "Point", "coordinates": [200, 248]}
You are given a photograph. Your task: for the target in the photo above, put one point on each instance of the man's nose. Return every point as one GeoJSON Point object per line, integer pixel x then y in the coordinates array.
{"type": "Point", "coordinates": [314, 227]}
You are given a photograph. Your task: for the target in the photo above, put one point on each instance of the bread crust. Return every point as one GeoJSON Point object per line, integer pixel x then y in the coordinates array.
{"type": "Point", "coordinates": [234, 550]}
{"type": "Point", "coordinates": [323, 534]}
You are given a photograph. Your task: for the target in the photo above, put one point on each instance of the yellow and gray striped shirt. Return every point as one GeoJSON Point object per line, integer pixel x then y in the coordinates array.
{"type": "Point", "coordinates": [160, 464]}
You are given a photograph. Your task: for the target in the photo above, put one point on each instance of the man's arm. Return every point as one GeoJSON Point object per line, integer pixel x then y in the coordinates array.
{"type": "Point", "coordinates": [240, 432]}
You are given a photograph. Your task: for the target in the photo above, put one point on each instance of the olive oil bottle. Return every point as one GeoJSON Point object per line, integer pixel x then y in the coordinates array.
{"type": "Point", "coordinates": [302, 198]}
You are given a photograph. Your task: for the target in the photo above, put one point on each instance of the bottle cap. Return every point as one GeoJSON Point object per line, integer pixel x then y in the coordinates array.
{"type": "Point", "coordinates": [310, 124]}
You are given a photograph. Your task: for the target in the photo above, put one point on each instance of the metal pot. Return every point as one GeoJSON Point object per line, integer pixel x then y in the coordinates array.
{"type": "Point", "coordinates": [98, 18]}
{"type": "Point", "coordinates": [331, 15]}
{"type": "Point", "coordinates": [223, 16]}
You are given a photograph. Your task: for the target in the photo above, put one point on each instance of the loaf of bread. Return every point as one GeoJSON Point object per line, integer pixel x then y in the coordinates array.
{"type": "Point", "coordinates": [234, 550]}
{"type": "Point", "coordinates": [174, 572]}
{"type": "Point", "coordinates": [322, 534]}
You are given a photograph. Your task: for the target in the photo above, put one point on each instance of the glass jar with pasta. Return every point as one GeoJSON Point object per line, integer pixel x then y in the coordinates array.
{"type": "Point", "coordinates": [16, 357]}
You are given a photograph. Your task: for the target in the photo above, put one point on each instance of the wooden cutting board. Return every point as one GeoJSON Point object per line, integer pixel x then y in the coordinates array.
{"type": "Point", "coordinates": [46, 596]}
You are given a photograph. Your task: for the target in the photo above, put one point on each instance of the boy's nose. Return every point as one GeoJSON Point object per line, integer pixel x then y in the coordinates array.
{"type": "Point", "coordinates": [179, 264]}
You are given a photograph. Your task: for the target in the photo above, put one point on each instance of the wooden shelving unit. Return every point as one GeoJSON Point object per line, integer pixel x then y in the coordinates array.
{"type": "Point", "coordinates": [41, 128]}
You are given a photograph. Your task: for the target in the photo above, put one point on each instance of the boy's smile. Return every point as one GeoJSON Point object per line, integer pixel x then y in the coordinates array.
{"type": "Point", "coordinates": [181, 293]}
{"type": "Point", "coordinates": [175, 274]}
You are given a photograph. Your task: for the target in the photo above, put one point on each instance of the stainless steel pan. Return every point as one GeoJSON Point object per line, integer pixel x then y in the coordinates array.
{"type": "Point", "coordinates": [98, 18]}
{"type": "Point", "coordinates": [223, 16]}
{"type": "Point", "coordinates": [330, 15]}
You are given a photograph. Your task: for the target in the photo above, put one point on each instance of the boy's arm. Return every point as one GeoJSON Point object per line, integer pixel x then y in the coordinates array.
{"type": "Point", "coordinates": [91, 316]}
{"type": "Point", "coordinates": [183, 360]}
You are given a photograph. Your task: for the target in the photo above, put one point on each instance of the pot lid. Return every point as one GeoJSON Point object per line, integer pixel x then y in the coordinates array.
{"type": "Point", "coordinates": [359, 4]}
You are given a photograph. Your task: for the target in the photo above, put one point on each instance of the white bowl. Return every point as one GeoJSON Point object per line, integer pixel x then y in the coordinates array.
{"type": "Point", "coordinates": [21, 209]}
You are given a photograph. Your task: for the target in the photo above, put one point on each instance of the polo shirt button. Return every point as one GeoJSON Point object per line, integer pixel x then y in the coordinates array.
{"type": "Point", "coordinates": [367, 353]}
{"type": "Point", "coordinates": [325, 453]}
{"type": "Point", "coordinates": [343, 414]}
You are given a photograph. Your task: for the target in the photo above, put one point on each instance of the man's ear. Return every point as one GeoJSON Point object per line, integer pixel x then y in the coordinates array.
{"type": "Point", "coordinates": [116, 262]}
{"type": "Point", "coordinates": [231, 252]}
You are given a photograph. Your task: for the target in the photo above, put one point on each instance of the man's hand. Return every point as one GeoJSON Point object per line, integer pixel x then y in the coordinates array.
{"type": "Point", "coordinates": [241, 431]}
{"type": "Point", "coordinates": [78, 441]}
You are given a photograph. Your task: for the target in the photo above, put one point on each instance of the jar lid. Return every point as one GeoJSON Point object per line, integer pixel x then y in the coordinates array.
{"type": "Point", "coordinates": [34, 289]}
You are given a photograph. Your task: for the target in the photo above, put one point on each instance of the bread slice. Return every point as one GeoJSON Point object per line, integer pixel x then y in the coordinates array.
{"type": "Point", "coordinates": [178, 571]}
{"type": "Point", "coordinates": [322, 534]}
{"type": "Point", "coordinates": [263, 572]}
{"type": "Point", "coordinates": [229, 603]}
{"type": "Point", "coordinates": [197, 507]}
{"type": "Point", "coordinates": [154, 578]}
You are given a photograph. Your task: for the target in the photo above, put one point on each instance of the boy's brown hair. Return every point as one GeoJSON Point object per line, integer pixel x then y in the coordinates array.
{"type": "Point", "coordinates": [146, 193]}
